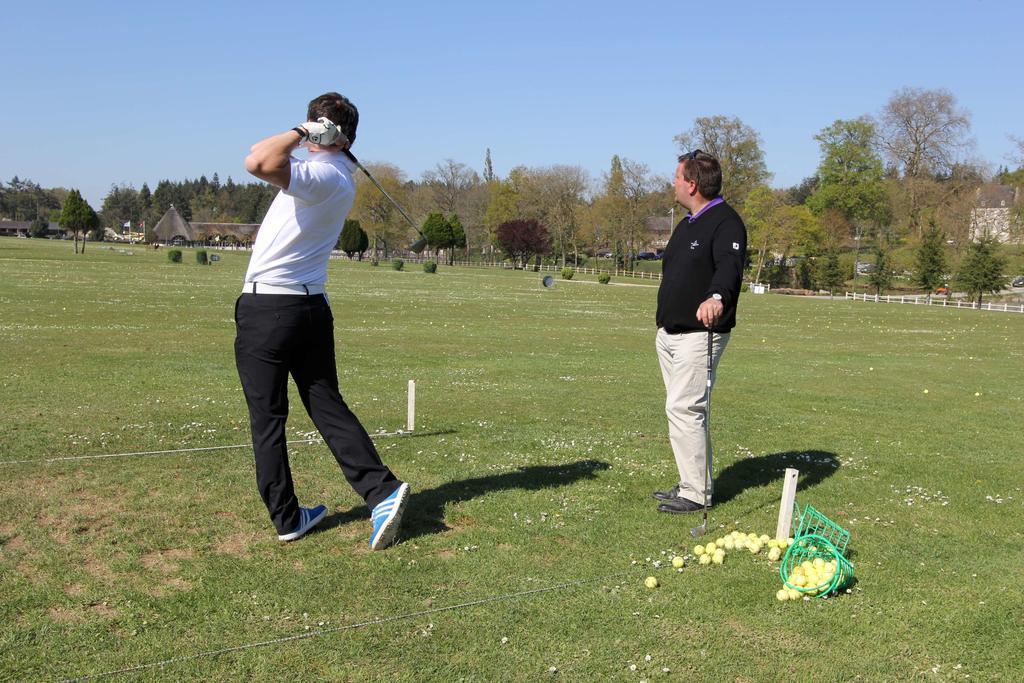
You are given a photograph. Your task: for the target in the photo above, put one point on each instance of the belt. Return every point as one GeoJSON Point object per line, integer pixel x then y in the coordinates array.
{"type": "Point", "coordinates": [300, 290]}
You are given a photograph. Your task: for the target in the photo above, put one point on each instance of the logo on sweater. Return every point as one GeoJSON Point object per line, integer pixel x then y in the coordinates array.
{"type": "Point", "coordinates": [694, 244]}
{"type": "Point", "coordinates": [736, 246]}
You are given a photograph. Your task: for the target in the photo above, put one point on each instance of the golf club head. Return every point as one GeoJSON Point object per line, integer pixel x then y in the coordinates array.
{"type": "Point", "coordinates": [699, 530]}
{"type": "Point", "coordinates": [418, 246]}
{"type": "Point", "coordinates": [548, 281]}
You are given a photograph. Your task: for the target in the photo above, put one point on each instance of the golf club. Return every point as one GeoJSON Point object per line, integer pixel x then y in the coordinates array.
{"type": "Point", "coordinates": [698, 530]}
{"type": "Point", "coordinates": [419, 245]}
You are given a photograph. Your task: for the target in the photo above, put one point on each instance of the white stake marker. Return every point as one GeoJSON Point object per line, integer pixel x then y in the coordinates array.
{"type": "Point", "coordinates": [785, 525]}
{"type": "Point", "coordinates": [410, 421]}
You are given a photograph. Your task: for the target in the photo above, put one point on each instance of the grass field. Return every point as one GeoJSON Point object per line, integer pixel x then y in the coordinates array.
{"type": "Point", "coordinates": [540, 437]}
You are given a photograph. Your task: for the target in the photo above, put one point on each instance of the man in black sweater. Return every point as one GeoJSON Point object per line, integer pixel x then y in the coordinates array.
{"type": "Point", "coordinates": [701, 275]}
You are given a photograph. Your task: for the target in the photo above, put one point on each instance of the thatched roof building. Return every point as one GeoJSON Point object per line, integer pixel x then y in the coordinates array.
{"type": "Point", "coordinates": [173, 229]}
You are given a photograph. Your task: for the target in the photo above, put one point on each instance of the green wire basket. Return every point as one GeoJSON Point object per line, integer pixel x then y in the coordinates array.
{"type": "Point", "coordinates": [819, 543]}
{"type": "Point", "coordinates": [813, 522]}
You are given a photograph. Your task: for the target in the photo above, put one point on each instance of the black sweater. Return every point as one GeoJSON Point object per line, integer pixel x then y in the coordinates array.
{"type": "Point", "coordinates": [702, 258]}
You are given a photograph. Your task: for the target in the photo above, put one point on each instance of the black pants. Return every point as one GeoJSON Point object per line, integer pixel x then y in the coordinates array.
{"type": "Point", "coordinates": [278, 335]}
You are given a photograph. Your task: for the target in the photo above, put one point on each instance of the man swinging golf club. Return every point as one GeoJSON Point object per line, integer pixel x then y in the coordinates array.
{"type": "Point", "coordinates": [285, 325]}
{"type": "Point", "coordinates": [701, 273]}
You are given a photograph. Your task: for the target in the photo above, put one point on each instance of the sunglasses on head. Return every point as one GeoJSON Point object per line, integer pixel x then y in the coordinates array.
{"type": "Point", "coordinates": [691, 155]}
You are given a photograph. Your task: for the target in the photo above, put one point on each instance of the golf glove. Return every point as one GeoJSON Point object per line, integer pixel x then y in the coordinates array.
{"type": "Point", "coordinates": [321, 132]}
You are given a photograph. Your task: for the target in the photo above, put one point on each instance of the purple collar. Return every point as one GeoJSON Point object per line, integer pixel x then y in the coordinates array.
{"type": "Point", "coordinates": [714, 202]}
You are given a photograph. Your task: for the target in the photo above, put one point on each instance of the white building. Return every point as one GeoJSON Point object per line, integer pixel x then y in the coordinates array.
{"type": "Point", "coordinates": [992, 215]}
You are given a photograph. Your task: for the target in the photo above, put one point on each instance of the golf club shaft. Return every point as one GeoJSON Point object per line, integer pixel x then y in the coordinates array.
{"type": "Point", "coordinates": [707, 429]}
{"type": "Point", "coordinates": [384, 192]}
{"type": "Point", "coordinates": [698, 530]}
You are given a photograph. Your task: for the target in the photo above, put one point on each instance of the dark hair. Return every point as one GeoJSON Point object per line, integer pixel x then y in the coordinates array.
{"type": "Point", "coordinates": [703, 169]}
{"type": "Point", "coordinates": [338, 109]}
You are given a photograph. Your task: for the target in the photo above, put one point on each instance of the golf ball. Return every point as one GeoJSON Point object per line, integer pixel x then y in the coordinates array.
{"type": "Point", "coordinates": [677, 561]}
{"type": "Point", "coordinates": [651, 582]}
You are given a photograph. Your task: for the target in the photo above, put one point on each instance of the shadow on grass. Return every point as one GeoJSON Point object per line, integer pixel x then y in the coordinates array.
{"type": "Point", "coordinates": [425, 514]}
{"type": "Point", "coordinates": [765, 470]}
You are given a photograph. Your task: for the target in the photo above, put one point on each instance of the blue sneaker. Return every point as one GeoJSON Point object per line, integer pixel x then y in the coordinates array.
{"type": "Point", "coordinates": [308, 518]}
{"type": "Point", "coordinates": [386, 517]}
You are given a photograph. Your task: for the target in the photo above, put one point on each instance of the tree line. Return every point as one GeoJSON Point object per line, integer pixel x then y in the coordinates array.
{"type": "Point", "coordinates": [884, 180]}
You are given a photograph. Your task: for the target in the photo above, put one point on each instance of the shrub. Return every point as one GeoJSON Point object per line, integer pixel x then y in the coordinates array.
{"type": "Point", "coordinates": [174, 255]}
{"type": "Point", "coordinates": [429, 267]}
{"type": "Point", "coordinates": [567, 273]}
{"type": "Point", "coordinates": [374, 263]}
{"type": "Point", "coordinates": [745, 287]}
{"type": "Point", "coordinates": [201, 258]}
{"type": "Point", "coordinates": [604, 278]}
{"type": "Point", "coordinates": [398, 264]}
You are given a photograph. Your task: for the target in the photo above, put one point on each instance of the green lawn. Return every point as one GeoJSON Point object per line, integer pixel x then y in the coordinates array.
{"type": "Point", "coordinates": [540, 436]}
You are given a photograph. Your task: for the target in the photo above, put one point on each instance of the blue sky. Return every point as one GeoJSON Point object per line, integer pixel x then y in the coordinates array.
{"type": "Point", "coordinates": [101, 93]}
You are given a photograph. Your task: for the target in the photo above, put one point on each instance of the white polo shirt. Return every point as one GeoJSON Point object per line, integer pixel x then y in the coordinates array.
{"type": "Point", "coordinates": [301, 227]}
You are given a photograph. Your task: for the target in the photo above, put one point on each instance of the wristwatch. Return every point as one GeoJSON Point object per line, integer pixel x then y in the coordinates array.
{"type": "Point", "coordinates": [716, 296]}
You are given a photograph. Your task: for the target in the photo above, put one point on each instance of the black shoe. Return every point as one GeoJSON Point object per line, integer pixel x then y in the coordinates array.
{"type": "Point", "coordinates": [680, 506]}
{"type": "Point", "coordinates": [671, 494]}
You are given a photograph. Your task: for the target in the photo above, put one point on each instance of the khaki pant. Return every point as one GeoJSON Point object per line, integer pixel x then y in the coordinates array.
{"type": "Point", "coordinates": [683, 359]}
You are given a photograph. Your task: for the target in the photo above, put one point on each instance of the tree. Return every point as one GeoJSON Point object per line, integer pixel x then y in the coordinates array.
{"type": "Point", "coordinates": [830, 274]}
{"type": "Point", "coordinates": [24, 200]}
{"type": "Point", "coordinates": [383, 222]}
{"type": "Point", "coordinates": [804, 232]}
{"type": "Point", "coordinates": [121, 205]}
{"type": "Point", "coordinates": [523, 238]}
{"type": "Point", "coordinates": [438, 231]}
{"type": "Point", "coordinates": [77, 216]}
{"type": "Point", "coordinates": [776, 229]}
{"type": "Point", "coordinates": [1017, 178]}
{"type": "Point", "coordinates": [458, 236]}
{"type": "Point", "coordinates": [364, 243]}
{"type": "Point", "coordinates": [611, 209]}
{"type": "Point", "coordinates": [556, 193]}
{"type": "Point", "coordinates": [641, 191]}
{"type": "Point", "coordinates": [881, 277]}
{"type": "Point", "coordinates": [931, 260]}
{"type": "Point", "coordinates": [850, 176]}
{"type": "Point", "coordinates": [799, 194]}
{"type": "Point", "coordinates": [502, 204]}
{"type": "Point", "coordinates": [806, 276]}
{"type": "Point", "coordinates": [737, 147]}
{"type": "Point", "coordinates": [450, 184]}
{"type": "Point", "coordinates": [97, 230]}
{"type": "Point", "coordinates": [444, 233]}
{"type": "Point", "coordinates": [353, 239]}
{"type": "Point", "coordinates": [1017, 156]}
{"type": "Point", "coordinates": [982, 270]}
{"type": "Point", "coordinates": [488, 167]}
{"type": "Point", "coordinates": [763, 230]}
{"type": "Point", "coordinates": [922, 133]}
{"type": "Point", "coordinates": [38, 228]}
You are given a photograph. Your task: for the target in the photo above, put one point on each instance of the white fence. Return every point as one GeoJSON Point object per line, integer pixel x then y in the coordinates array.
{"type": "Point", "coordinates": [935, 301]}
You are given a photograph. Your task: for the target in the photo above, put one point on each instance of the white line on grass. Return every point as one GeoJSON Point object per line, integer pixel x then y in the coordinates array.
{"type": "Point", "coordinates": [348, 627]}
